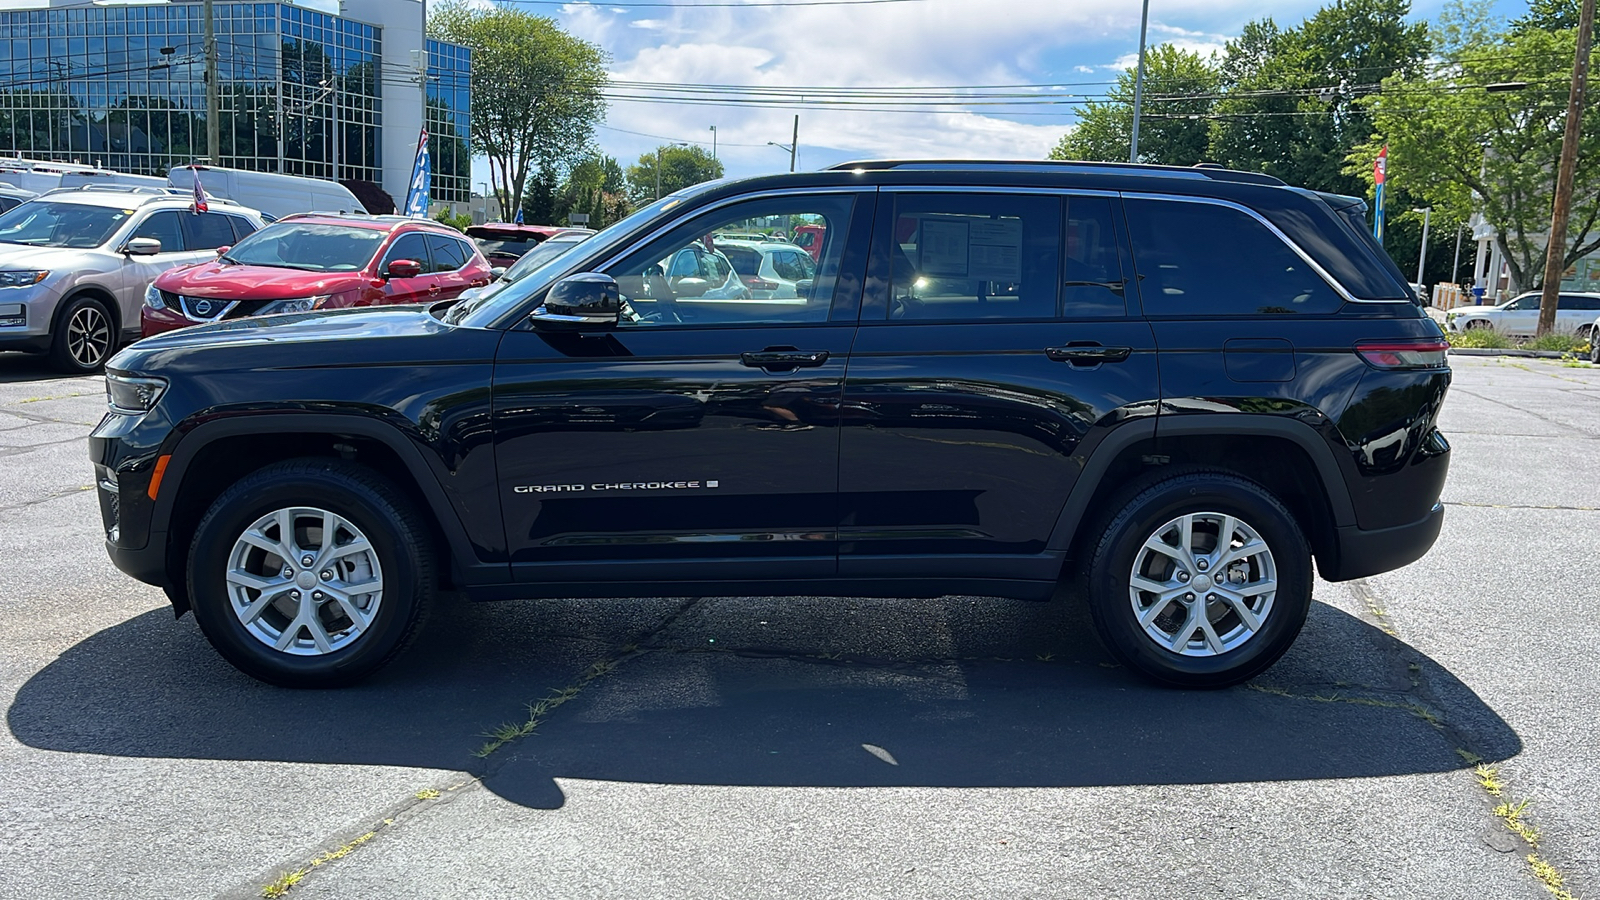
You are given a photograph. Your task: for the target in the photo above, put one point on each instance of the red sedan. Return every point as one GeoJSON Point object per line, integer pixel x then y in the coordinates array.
{"type": "Point", "coordinates": [317, 261]}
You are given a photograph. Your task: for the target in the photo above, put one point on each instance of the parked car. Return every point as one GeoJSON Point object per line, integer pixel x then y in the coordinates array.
{"type": "Point", "coordinates": [530, 262]}
{"type": "Point", "coordinates": [1575, 313]}
{"type": "Point", "coordinates": [315, 261]}
{"type": "Point", "coordinates": [809, 238]}
{"type": "Point", "coordinates": [75, 262]}
{"type": "Point", "coordinates": [771, 269]}
{"type": "Point", "coordinates": [696, 274]}
{"type": "Point", "coordinates": [1594, 342]}
{"type": "Point", "coordinates": [502, 243]}
{"type": "Point", "coordinates": [12, 197]}
{"type": "Point", "coordinates": [1170, 389]}
{"type": "Point", "coordinates": [277, 194]}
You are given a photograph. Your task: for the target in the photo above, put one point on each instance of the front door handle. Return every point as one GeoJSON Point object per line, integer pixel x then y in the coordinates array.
{"type": "Point", "coordinates": [1087, 354]}
{"type": "Point", "coordinates": [783, 358]}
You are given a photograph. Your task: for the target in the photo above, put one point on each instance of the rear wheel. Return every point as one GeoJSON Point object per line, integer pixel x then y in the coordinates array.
{"type": "Point", "coordinates": [1200, 581]}
{"type": "Point", "coordinates": [1475, 324]}
{"type": "Point", "coordinates": [311, 573]}
{"type": "Point", "coordinates": [84, 337]}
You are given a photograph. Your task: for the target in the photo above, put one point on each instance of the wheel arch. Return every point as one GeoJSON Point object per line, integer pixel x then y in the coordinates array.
{"type": "Point", "coordinates": [97, 292]}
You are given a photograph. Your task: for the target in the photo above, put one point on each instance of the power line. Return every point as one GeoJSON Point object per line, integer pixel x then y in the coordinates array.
{"type": "Point", "coordinates": [707, 5]}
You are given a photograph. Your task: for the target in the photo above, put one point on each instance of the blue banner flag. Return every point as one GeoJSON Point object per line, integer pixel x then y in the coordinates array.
{"type": "Point", "coordinates": [421, 181]}
{"type": "Point", "coordinates": [519, 217]}
{"type": "Point", "coordinates": [1380, 174]}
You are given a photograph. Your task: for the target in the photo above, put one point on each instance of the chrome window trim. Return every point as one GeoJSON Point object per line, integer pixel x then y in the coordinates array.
{"type": "Point", "coordinates": [995, 189]}
{"type": "Point", "coordinates": [1333, 282]}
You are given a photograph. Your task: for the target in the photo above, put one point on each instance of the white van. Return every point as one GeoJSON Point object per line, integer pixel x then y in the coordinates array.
{"type": "Point", "coordinates": [273, 193]}
{"type": "Point", "coordinates": [39, 176]}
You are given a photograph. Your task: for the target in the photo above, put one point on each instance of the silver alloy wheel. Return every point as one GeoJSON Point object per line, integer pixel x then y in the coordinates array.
{"type": "Point", "coordinates": [1203, 584]}
{"type": "Point", "coordinates": [304, 581]}
{"type": "Point", "coordinates": [88, 336]}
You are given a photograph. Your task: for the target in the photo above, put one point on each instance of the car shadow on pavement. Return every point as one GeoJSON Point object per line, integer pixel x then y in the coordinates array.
{"type": "Point", "coordinates": [18, 368]}
{"type": "Point", "coordinates": [960, 692]}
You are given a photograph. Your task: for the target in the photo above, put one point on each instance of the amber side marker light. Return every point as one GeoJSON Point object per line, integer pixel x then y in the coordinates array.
{"type": "Point", "coordinates": [156, 476]}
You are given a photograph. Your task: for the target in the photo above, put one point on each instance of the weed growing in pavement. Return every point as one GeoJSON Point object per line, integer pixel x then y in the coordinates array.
{"type": "Point", "coordinates": [540, 710]}
{"type": "Point", "coordinates": [428, 794]}
{"type": "Point", "coordinates": [1512, 815]}
{"type": "Point", "coordinates": [290, 879]}
{"type": "Point", "coordinates": [1481, 338]}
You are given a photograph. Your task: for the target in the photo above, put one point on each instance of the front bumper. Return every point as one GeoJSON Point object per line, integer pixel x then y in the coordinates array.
{"type": "Point", "coordinates": [1360, 552]}
{"type": "Point", "coordinates": [160, 321]}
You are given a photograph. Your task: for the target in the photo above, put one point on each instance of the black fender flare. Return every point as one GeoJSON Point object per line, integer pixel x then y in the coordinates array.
{"type": "Point", "coordinates": [469, 567]}
{"type": "Point", "coordinates": [1119, 439]}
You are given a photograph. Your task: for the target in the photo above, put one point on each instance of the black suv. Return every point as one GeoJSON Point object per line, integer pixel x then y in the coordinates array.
{"type": "Point", "coordinates": [1174, 388]}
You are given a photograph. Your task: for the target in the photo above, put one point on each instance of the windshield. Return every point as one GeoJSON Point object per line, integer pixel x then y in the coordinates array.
{"type": "Point", "coordinates": [538, 256]}
{"type": "Point", "coordinates": [44, 223]}
{"type": "Point", "coordinates": [482, 311]}
{"type": "Point", "coordinates": [312, 247]}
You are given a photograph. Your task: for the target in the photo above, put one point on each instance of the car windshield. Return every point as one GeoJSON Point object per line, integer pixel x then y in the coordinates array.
{"type": "Point", "coordinates": [483, 311]}
{"type": "Point", "coordinates": [45, 223]}
{"type": "Point", "coordinates": [313, 247]}
{"type": "Point", "coordinates": [538, 256]}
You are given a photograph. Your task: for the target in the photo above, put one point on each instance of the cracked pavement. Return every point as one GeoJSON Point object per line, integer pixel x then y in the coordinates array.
{"type": "Point", "coordinates": [805, 747]}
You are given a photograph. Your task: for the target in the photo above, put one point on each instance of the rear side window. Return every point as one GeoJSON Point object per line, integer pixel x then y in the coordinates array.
{"type": "Point", "coordinates": [1580, 303]}
{"type": "Point", "coordinates": [975, 256]}
{"type": "Point", "coordinates": [206, 231]}
{"type": "Point", "coordinates": [242, 227]}
{"type": "Point", "coordinates": [1202, 259]}
{"type": "Point", "coordinates": [448, 254]}
{"type": "Point", "coordinates": [1092, 277]}
{"type": "Point", "coordinates": [746, 262]}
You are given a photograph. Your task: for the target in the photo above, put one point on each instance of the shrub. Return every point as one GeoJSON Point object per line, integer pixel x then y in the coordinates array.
{"type": "Point", "coordinates": [1484, 338]}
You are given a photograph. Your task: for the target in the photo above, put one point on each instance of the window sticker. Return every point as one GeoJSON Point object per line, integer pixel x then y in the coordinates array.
{"type": "Point", "coordinates": [996, 250]}
{"type": "Point", "coordinates": [942, 246]}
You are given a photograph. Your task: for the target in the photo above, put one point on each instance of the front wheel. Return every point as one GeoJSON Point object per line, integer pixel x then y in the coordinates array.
{"type": "Point", "coordinates": [310, 573]}
{"type": "Point", "coordinates": [84, 337]}
{"type": "Point", "coordinates": [1200, 581]}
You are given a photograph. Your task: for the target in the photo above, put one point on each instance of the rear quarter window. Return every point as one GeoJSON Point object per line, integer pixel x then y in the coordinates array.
{"type": "Point", "coordinates": [1204, 259]}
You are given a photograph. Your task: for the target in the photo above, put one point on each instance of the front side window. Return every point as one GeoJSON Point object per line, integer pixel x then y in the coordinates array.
{"type": "Point", "coordinates": [45, 223]}
{"type": "Point", "coordinates": [412, 246]}
{"type": "Point", "coordinates": [164, 227]}
{"type": "Point", "coordinates": [1203, 259]}
{"type": "Point", "coordinates": [308, 246]}
{"type": "Point", "coordinates": [963, 257]}
{"type": "Point", "coordinates": [1525, 303]}
{"type": "Point", "coordinates": [685, 278]}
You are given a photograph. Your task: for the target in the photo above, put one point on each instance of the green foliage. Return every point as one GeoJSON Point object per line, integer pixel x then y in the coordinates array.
{"type": "Point", "coordinates": [1548, 15]}
{"type": "Point", "coordinates": [681, 167]}
{"type": "Point", "coordinates": [536, 90]}
{"type": "Point", "coordinates": [1171, 132]}
{"type": "Point", "coordinates": [1483, 338]}
{"type": "Point", "coordinates": [1558, 342]}
{"type": "Point", "coordinates": [1449, 140]}
{"type": "Point", "coordinates": [459, 223]}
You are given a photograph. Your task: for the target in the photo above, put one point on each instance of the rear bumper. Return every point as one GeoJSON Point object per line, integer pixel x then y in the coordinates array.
{"type": "Point", "coordinates": [1361, 552]}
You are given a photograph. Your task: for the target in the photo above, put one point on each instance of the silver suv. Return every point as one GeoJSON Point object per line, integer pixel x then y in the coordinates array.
{"type": "Point", "coordinates": [75, 262]}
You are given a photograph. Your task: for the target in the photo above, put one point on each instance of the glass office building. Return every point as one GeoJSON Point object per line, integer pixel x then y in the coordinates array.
{"type": "Point", "coordinates": [301, 91]}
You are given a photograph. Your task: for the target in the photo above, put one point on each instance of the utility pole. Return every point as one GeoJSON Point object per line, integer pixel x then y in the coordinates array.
{"type": "Point", "coordinates": [1422, 256]}
{"type": "Point", "coordinates": [658, 172]}
{"type": "Point", "coordinates": [1555, 256]}
{"type": "Point", "coordinates": [1455, 267]}
{"type": "Point", "coordinates": [213, 106]}
{"type": "Point", "coordinates": [713, 142]}
{"type": "Point", "coordinates": [1138, 85]}
{"type": "Point", "coordinates": [794, 142]}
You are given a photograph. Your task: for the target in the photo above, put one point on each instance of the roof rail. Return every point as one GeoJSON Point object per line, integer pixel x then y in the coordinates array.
{"type": "Point", "coordinates": [1059, 167]}
{"type": "Point", "coordinates": [119, 188]}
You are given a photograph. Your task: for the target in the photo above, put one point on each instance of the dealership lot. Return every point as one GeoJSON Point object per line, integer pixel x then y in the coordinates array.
{"type": "Point", "coordinates": [736, 747]}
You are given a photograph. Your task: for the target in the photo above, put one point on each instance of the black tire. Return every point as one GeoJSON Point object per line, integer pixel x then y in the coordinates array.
{"type": "Point", "coordinates": [85, 336]}
{"type": "Point", "coordinates": [398, 536]}
{"type": "Point", "coordinates": [1141, 515]}
{"type": "Point", "coordinates": [1594, 348]}
{"type": "Point", "coordinates": [1475, 324]}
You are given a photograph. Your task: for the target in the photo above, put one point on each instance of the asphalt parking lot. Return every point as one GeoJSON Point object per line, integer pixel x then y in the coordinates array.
{"type": "Point", "coordinates": [772, 747]}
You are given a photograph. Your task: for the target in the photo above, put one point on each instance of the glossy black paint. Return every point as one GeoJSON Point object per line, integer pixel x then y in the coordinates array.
{"type": "Point", "coordinates": [912, 456]}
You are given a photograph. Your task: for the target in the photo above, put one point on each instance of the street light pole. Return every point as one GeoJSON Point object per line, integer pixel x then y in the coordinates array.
{"type": "Point", "coordinates": [1138, 85]}
{"type": "Point", "coordinates": [713, 142]}
{"type": "Point", "coordinates": [1555, 256]}
{"type": "Point", "coordinates": [794, 142]}
{"type": "Point", "coordinates": [1422, 256]}
{"type": "Point", "coordinates": [658, 172]}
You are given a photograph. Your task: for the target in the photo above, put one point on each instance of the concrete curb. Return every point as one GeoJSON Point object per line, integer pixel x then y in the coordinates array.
{"type": "Point", "coordinates": [1486, 351]}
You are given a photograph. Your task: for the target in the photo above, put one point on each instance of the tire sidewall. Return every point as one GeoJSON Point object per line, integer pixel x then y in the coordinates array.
{"type": "Point", "coordinates": [254, 497]}
{"type": "Point", "coordinates": [61, 354]}
{"type": "Point", "coordinates": [1113, 563]}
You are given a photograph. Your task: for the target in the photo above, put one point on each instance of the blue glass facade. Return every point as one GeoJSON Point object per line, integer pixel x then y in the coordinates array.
{"type": "Point", "coordinates": [123, 86]}
{"type": "Point", "coordinates": [449, 110]}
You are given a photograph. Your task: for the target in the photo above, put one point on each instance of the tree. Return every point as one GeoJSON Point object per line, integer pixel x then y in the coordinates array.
{"type": "Point", "coordinates": [1463, 148]}
{"type": "Point", "coordinates": [535, 91]}
{"type": "Point", "coordinates": [595, 186]}
{"type": "Point", "coordinates": [681, 167]}
{"type": "Point", "coordinates": [1291, 108]}
{"type": "Point", "coordinates": [1172, 131]}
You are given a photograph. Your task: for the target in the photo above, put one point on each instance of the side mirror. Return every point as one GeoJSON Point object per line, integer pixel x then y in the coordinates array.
{"type": "Point", "coordinates": [805, 287]}
{"type": "Point", "coordinates": [652, 272]}
{"type": "Point", "coordinates": [691, 287]}
{"type": "Point", "coordinates": [403, 268]}
{"type": "Point", "coordinates": [224, 249]}
{"type": "Point", "coordinates": [142, 247]}
{"type": "Point", "coordinates": [497, 271]}
{"type": "Point", "coordinates": [585, 301]}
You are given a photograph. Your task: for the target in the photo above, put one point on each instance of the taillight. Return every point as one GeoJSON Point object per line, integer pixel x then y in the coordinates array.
{"type": "Point", "coordinates": [759, 284]}
{"type": "Point", "coordinates": [1420, 353]}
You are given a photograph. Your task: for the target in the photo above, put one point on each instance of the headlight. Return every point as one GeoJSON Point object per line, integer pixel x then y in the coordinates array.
{"type": "Point", "coordinates": [133, 395]}
{"type": "Point", "coordinates": [152, 298]}
{"type": "Point", "coordinates": [23, 277]}
{"type": "Point", "coordinates": [299, 304]}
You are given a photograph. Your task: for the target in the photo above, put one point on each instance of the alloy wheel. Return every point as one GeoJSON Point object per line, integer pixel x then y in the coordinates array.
{"type": "Point", "coordinates": [88, 336]}
{"type": "Point", "coordinates": [1203, 584]}
{"type": "Point", "coordinates": [304, 581]}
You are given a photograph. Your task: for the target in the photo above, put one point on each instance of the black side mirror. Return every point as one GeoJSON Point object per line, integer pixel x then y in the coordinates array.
{"type": "Point", "coordinates": [586, 301]}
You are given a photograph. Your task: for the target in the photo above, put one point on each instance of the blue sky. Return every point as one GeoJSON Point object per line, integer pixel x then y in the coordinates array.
{"type": "Point", "coordinates": [920, 43]}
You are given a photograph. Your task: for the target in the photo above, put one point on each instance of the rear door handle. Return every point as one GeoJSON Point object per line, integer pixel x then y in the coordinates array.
{"type": "Point", "coordinates": [1087, 354]}
{"type": "Point", "coordinates": [783, 358]}
{"type": "Point", "coordinates": [1115, 287]}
